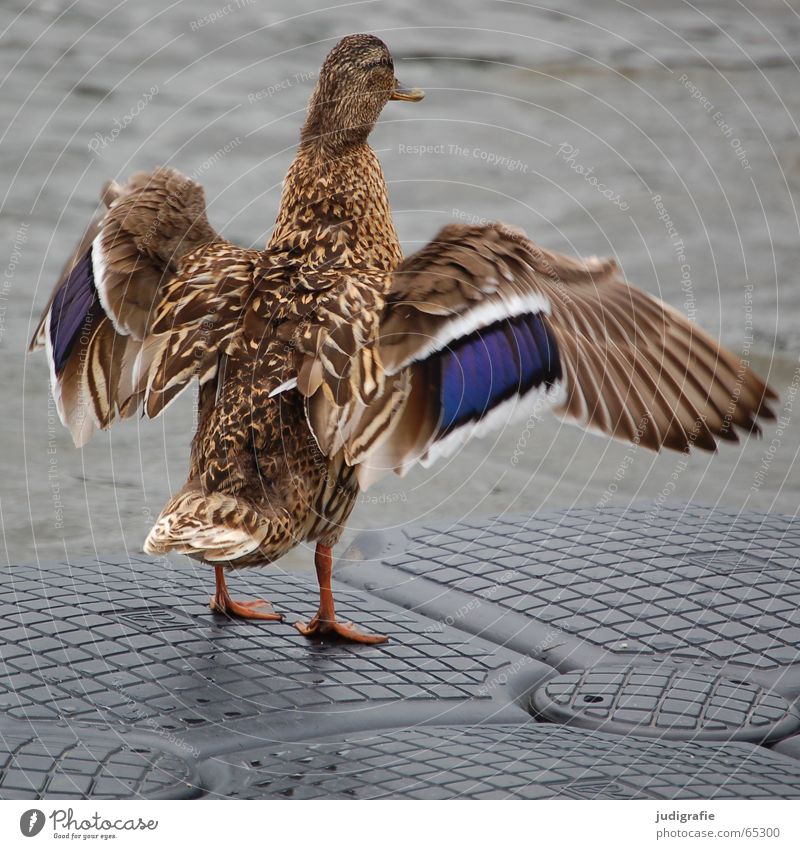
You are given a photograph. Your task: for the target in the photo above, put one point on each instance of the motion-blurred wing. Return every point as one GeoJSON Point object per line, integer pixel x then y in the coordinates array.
{"type": "Point", "coordinates": [148, 301]}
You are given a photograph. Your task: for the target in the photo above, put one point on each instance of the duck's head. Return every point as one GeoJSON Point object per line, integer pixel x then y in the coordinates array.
{"type": "Point", "coordinates": [355, 83]}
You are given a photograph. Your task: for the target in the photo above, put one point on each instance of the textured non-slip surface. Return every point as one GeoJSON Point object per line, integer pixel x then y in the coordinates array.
{"type": "Point", "coordinates": [135, 643]}
{"type": "Point", "coordinates": [547, 657]}
{"type": "Point", "coordinates": [681, 582]}
{"type": "Point", "coordinates": [53, 763]}
{"type": "Point", "coordinates": [666, 702]}
{"type": "Point", "coordinates": [512, 761]}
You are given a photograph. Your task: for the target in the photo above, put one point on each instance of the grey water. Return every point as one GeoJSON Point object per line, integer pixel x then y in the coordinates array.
{"type": "Point", "coordinates": [662, 133]}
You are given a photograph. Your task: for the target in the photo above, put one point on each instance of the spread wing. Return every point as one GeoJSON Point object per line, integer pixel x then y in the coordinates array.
{"type": "Point", "coordinates": [484, 326]}
{"type": "Point", "coordinates": [150, 299]}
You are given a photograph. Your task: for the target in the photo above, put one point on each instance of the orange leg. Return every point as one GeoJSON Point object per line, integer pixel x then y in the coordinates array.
{"type": "Point", "coordinates": [223, 603]}
{"type": "Point", "coordinates": [324, 624]}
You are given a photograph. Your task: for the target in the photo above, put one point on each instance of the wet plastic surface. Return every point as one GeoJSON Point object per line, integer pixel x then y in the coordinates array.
{"type": "Point", "coordinates": [575, 655]}
{"type": "Point", "coordinates": [665, 702]}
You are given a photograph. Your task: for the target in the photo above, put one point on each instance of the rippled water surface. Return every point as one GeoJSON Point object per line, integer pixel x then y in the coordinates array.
{"type": "Point", "coordinates": [662, 133]}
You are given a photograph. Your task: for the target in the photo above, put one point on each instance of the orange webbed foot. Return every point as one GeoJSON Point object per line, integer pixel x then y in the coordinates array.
{"type": "Point", "coordinates": [221, 602]}
{"type": "Point", "coordinates": [246, 609]}
{"type": "Point", "coordinates": [325, 625]}
{"type": "Point", "coordinates": [327, 629]}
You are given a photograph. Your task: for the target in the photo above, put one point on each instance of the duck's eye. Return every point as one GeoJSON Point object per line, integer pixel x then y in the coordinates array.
{"type": "Point", "coordinates": [377, 63]}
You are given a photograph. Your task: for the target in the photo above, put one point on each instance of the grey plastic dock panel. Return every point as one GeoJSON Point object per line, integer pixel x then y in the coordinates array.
{"type": "Point", "coordinates": [569, 655]}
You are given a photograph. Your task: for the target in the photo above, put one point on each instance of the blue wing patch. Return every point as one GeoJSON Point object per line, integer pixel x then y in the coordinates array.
{"type": "Point", "coordinates": [74, 303]}
{"type": "Point", "coordinates": [480, 371]}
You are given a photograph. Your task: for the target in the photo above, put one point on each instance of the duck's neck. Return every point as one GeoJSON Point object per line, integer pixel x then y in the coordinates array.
{"type": "Point", "coordinates": [335, 210]}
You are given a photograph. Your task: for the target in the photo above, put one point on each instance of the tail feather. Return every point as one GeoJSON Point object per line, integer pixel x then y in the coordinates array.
{"type": "Point", "coordinates": [209, 526]}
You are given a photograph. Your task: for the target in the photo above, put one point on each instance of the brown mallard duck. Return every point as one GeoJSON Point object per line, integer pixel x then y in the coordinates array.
{"type": "Point", "coordinates": [326, 359]}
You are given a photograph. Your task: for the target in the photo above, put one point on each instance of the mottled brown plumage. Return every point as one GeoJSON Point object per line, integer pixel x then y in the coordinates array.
{"type": "Point", "coordinates": [325, 360]}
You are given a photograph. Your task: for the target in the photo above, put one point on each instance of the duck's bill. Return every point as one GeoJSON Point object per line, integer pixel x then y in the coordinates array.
{"type": "Point", "coordinates": [402, 93]}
